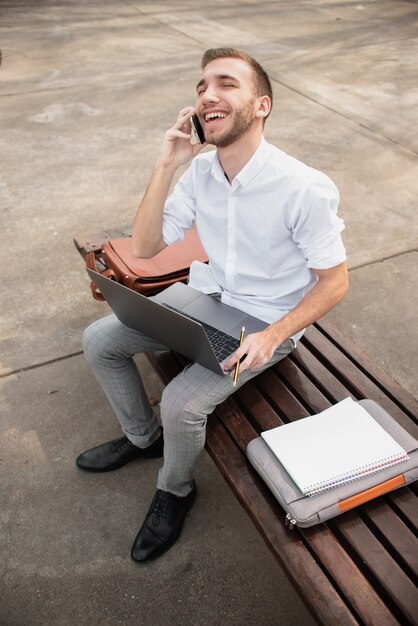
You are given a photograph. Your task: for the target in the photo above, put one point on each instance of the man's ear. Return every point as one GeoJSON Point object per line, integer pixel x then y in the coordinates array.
{"type": "Point", "coordinates": [263, 106]}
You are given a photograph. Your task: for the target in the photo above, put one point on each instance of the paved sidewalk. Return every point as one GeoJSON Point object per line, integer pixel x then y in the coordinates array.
{"type": "Point", "coordinates": [86, 91]}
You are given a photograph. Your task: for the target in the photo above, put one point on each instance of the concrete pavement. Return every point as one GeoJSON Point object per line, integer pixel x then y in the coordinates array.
{"type": "Point", "coordinates": [86, 91]}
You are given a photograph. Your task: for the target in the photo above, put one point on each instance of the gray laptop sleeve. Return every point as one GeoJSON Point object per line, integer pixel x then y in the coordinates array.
{"type": "Point", "coordinates": [305, 510]}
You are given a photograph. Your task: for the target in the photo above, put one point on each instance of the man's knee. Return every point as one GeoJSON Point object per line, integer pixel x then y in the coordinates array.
{"type": "Point", "coordinates": [97, 340]}
{"type": "Point", "coordinates": [90, 341]}
{"type": "Point", "coordinates": [170, 404]}
{"type": "Point", "coordinates": [178, 407]}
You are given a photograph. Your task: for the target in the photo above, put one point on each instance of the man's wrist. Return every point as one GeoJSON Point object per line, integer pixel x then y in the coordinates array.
{"type": "Point", "coordinates": [276, 334]}
{"type": "Point", "coordinates": [165, 166]}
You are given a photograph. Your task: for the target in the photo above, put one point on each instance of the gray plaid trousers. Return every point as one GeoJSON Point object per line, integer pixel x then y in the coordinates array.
{"type": "Point", "coordinates": [186, 402]}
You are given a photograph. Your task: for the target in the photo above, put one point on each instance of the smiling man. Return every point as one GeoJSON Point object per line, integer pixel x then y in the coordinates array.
{"type": "Point", "coordinates": [270, 229]}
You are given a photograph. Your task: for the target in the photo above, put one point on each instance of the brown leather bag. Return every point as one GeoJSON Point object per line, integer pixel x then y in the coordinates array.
{"type": "Point", "coordinates": [115, 260]}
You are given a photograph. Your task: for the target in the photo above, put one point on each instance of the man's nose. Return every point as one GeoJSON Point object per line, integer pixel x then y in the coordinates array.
{"type": "Point", "coordinates": [210, 95]}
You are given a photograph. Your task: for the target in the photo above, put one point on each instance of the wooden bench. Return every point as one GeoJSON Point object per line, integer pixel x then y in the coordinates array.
{"type": "Point", "coordinates": [358, 568]}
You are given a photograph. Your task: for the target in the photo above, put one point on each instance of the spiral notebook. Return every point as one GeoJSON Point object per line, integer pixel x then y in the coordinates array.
{"type": "Point", "coordinates": [342, 444]}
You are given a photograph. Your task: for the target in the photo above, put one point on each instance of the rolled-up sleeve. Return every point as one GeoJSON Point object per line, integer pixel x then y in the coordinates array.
{"type": "Point", "coordinates": [316, 227]}
{"type": "Point", "coordinates": [179, 209]}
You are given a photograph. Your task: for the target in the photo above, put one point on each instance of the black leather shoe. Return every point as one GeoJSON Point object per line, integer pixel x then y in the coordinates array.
{"type": "Point", "coordinates": [116, 453]}
{"type": "Point", "coordinates": [162, 525]}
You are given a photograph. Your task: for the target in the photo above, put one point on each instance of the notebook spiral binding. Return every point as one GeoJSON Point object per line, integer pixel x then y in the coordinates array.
{"type": "Point", "coordinates": [357, 474]}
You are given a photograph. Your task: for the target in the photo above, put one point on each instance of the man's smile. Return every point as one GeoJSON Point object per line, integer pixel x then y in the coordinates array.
{"type": "Point", "coordinates": [214, 118]}
{"type": "Point", "coordinates": [214, 115]}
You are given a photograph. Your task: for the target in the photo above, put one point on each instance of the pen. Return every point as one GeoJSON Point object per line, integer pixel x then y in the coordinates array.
{"type": "Point", "coordinates": [241, 339]}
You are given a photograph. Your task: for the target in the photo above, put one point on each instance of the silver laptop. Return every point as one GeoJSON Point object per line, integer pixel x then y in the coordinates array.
{"type": "Point", "coordinates": [196, 325]}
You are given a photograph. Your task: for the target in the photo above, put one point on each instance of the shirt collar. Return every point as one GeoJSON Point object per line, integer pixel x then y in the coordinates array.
{"type": "Point", "coordinates": [217, 171]}
{"type": "Point", "coordinates": [250, 169]}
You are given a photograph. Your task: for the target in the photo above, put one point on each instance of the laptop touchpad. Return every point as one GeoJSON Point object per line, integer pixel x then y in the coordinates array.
{"type": "Point", "coordinates": [252, 325]}
{"type": "Point", "coordinates": [212, 312]}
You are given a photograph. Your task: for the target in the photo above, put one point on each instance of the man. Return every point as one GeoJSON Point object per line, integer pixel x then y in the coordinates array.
{"type": "Point", "coordinates": [269, 226]}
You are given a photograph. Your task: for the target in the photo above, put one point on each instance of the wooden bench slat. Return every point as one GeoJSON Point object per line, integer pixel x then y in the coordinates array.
{"type": "Point", "coordinates": [273, 386]}
{"type": "Point", "coordinates": [91, 243]}
{"type": "Point", "coordinates": [346, 370]}
{"type": "Point", "coordinates": [301, 385]}
{"type": "Point", "coordinates": [397, 535]}
{"type": "Point", "coordinates": [316, 590]}
{"type": "Point", "coordinates": [252, 403]}
{"type": "Point", "coordinates": [165, 364]}
{"type": "Point", "coordinates": [235, 423]}
{"type": "Point", "coordinates": [350, 580]}
{"type": "Point", "coordinates": [405, 502]}
{"type": "Point", "coordinates": [397, 586]}
{"type": "Point", "coordinates": [320, 375]}
{"type": "Point", "coordinates": [369, 368]}
{"type": "Point", "coordinates": [286, 375]}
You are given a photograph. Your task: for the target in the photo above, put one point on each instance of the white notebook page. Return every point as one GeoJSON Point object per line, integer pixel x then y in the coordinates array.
{"type": "Point", "coordinates": [341, 444]}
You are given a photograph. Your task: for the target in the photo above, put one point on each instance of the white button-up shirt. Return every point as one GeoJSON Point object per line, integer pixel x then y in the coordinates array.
{"type": "Point", "coordinates": [264, 234]}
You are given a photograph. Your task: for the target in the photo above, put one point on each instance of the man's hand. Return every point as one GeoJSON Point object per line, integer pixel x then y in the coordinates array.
{"type": "Point", "coordinates": [176, 148]}
{"type": "Point", "coordinates": [258, 348]}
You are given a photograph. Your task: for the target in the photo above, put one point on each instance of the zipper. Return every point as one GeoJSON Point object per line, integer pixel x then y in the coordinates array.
{"type": "Point", "coordinates": [289, 521]}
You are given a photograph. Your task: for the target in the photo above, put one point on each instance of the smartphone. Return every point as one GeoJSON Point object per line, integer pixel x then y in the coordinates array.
{"type": "Point", "coordinates": [197, 131]}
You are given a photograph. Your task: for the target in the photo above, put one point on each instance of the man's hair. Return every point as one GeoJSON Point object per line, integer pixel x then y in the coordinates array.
{"type": "Point", "coordinates": [262, 82]}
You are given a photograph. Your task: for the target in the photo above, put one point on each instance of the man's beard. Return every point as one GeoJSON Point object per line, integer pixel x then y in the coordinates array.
{"type": "Point", "coordinates": [242, 122]}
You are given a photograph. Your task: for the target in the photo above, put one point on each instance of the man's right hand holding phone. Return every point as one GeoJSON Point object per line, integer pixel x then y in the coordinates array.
{"type": "Point", "coordinates": [177, 148]}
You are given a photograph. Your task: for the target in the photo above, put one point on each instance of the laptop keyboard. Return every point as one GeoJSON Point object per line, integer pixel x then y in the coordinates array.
{"type": "Point", "coordinates": [222, 344]}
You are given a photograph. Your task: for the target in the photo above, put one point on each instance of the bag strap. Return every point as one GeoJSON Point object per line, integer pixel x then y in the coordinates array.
{"type": "Point", "coordinates": [92, 265]}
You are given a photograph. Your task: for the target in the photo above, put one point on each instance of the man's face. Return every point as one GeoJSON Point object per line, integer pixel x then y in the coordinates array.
{"type": "Point", "coordinates": [226, 101]}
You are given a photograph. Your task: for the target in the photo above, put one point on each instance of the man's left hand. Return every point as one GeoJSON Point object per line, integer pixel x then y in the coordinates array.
{"type": "Point", "coordinates": [258, 348]}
